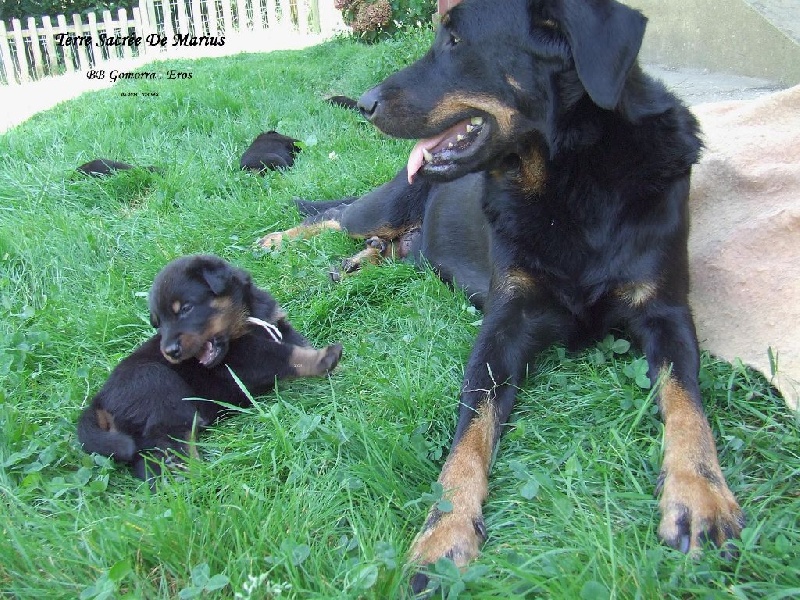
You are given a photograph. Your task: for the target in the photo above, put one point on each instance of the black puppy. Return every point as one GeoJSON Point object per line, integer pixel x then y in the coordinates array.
{"type": "Point", "coordinates": [104, 166]}
{"type": "Point", "coordinates": [551, 181]}
{"type": "Point", "coordinates": [270, 150]}
{"type": "Point", "coordinates": [212, 322]}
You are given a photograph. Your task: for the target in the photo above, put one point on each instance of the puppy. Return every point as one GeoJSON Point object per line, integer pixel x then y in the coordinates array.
{"type": "Point", "coordinates": [213, 323]}
{"type": "Point", "coordinates": [103, 166]}
{"type": "Point", "coordinates": [270, 150]}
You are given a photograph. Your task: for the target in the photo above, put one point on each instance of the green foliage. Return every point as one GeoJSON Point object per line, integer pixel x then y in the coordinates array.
{"type": "Point", "coordinates": [318, 490]}
{"type": "Point", "coordinates": [373, 20]}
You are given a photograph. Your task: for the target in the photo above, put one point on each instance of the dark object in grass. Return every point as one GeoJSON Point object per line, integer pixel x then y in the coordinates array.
{"type": "Point", "coordinates": [550, 182]}
{"type": "Point", "coordinates": [270, 150]}
{"type": "Point", "coordinates": [343, 102]}
{"type": "Point", "coordinates": [211, 320]}
{"type": "Point", "coordinates": [100, 167]}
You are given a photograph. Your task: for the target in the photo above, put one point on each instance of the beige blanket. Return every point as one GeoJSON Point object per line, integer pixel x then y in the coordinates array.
{"type": "Point", "coordinates": [745, 240]}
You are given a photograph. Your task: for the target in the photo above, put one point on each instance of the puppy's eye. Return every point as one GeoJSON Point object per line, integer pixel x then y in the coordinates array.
{"type": "Point", "coordinates": [454, 39]}
{"type": "Point", "coordinates": [185, 309]}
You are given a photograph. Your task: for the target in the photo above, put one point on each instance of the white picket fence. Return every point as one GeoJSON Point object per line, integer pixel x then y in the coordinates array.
{"type": "Point", "coordinates": [58, 46]}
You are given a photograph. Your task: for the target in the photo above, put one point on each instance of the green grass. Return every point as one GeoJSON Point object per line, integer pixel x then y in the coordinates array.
{"type": "Point", "coordinates": [318, 490]}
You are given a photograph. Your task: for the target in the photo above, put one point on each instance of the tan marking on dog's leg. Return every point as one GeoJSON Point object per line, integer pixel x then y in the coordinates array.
{"type": "Point", "coordinates": [696, 503]}
{"type": "Point", "coordinates": [274, 240]}
{"type": "Point", "coordinates": [105, 420]}
{"type": "Point", "coordinates": [637, 294]}
{"type": "Point", "coordinates": [515, 283]}
{"type": "Point", "coordinates": [310, 362]}
{"type": "Point", "coordinates": [374, 251]}
{"type": "Point", "coordinates": [459, 533]}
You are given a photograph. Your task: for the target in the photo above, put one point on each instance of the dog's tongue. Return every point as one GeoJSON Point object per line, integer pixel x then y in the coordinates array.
{"type": "Point", "coordinates": [455, 139]}
{"type": "Point", "coordinates": [207, 354]}
{"type": "Point", "coordinates": [417, 157]}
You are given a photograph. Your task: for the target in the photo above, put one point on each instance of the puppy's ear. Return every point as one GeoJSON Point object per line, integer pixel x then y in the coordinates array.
{"type": "Point", "coordinates": [220, 276]}
{"type": "Point", "coordinates": [154, 320]}
{"type": "Point", "coordinates": [605, 37]}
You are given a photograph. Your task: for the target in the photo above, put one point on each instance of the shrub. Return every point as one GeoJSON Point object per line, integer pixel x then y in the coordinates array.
{"type": "Point", "coordinates": [372, 20]}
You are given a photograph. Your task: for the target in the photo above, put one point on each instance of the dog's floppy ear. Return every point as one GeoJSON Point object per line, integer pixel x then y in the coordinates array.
{"type": "Point", "coordinates": [605, 37]}
{"type": "Point", "coordinates": [219, 276]}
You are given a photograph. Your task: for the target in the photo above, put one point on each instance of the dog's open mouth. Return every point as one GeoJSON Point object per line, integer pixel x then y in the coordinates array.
{"type": "Point", "coordinates": [439, 154]}
{"type": "Point", "coordinates": [211, 352]}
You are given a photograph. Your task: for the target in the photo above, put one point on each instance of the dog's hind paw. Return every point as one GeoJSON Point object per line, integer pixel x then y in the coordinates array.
{"type": "Point", "coordinates": [332, 355]}
{"type": "Point", "coordinates": [696, 510]}
{"type": "Point", "coordinates": [310, 362]}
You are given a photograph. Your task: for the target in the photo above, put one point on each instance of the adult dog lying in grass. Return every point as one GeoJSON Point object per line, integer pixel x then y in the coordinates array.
{"type": "Point", "coordinates": [212, 322]}
{"type": "Point", "coordinates": [551, 182]}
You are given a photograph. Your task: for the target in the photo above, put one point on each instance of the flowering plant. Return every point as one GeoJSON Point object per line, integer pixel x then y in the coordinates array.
{"type": "Point", "coordinates": [373, 19]}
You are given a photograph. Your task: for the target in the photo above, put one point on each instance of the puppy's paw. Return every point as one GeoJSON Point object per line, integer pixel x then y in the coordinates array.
{"type": "Point", "coordinates": [453, 535]}
{"type": "Point", "coordinates": [310, 362]}
{"type": "Point", "coordinates": [330, 357]}
{"type": "Point", "coordinates": [697, 508]}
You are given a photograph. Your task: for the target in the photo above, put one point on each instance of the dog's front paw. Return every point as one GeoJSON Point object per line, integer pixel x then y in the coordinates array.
{"type": "Point", "coordinates": [272, 241]}
{"type": "Point", "coordinates": [454, 535]}
{"type": "Point", "coordinates": [697, 508]}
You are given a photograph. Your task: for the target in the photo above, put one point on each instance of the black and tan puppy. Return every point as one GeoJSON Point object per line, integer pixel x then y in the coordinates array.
{"type": "Point", "coordinates": [270, 150]}
{"type": "Point", "coordinates": [212, 321]}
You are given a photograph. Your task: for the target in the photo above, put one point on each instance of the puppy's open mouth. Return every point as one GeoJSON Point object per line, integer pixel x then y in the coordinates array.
{"type": "Point", "coordinates": [211, 352]}
{"type": "Point", "coordinates": [439, 155]}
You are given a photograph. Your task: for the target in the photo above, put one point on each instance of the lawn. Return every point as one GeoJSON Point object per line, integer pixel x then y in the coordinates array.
{"type": "Point", "coordinates": [318, 490]}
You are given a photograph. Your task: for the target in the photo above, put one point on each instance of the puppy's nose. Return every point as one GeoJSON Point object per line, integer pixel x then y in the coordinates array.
{"type": "Point", "coordinates": [172, 350]}
{"type": "Point", "coordinates": [368, 103]}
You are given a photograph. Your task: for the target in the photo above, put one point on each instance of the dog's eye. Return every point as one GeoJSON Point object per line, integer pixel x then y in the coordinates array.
{"type": "Point", "coordinates": [185, 309]}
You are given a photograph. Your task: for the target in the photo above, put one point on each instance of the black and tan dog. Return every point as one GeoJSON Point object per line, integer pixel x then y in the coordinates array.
{"type": "Point", "coordinates": [212, 321]}
{"type": "Point", "coordinates": [269, 151]}
{"type": "Point", "coordinates": [551, 182]}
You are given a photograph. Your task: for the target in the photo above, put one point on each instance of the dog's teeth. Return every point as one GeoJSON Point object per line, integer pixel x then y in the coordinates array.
{"type": "Point", "coordinates": [476, 120]}
{"type": "Point", "coordinates": [426, 154]}
{"type": "Point", "coordinates": [450, 144]}
{"type": "Point", "coordinates": [459, 138]}
{"type": "Point", "coordinates": [470, 128]}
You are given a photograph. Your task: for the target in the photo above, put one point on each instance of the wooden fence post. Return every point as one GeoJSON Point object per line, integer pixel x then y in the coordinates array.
{"type": "Point", "coordinates": [22, 57]}
{"type": "Point", "coordinates": [5, 56]}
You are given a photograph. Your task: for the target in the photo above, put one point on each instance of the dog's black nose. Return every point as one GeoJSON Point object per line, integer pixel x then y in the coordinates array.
{"type": "Point", "coordinates": [172, 350]}
{"type": "Point", "coordinates": [368, 103]}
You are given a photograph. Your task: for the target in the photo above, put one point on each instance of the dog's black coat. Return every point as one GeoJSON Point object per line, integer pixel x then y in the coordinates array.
{"type": "Point", "coordinates": [551, 183]}
{"type": "Point", "coordinates": [103, 166]}
{"type": "Point", "coordinates": [168, 386]}
{"type": "Point", "coordinates": [270, 150]}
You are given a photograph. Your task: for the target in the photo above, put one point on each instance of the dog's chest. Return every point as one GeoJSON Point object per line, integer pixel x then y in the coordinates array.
{"type": "Point", "coordinates": [580, 249]}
